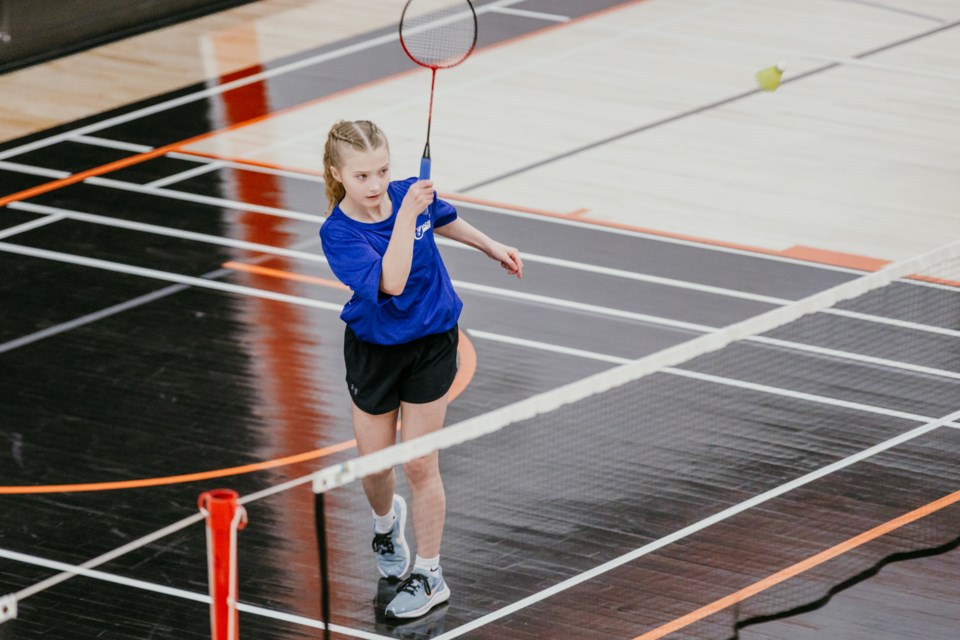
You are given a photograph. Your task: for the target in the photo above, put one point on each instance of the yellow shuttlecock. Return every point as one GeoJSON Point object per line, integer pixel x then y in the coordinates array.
{"type": "Point", "coordinates": [769, 78]}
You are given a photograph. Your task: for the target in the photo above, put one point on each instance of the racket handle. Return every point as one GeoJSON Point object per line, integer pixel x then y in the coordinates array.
{"type": "Point", "coordinates": [424, 168]}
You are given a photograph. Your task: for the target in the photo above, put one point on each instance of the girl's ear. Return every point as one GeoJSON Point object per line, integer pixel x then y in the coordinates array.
{"type": "Point", "coordinates": [336, 174]}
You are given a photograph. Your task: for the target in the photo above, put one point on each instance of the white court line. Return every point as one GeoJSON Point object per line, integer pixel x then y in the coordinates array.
{"type": "Point", "coordinates": [74, 570]}
{"type": "Point", "coordinates": [538, 15]}
{"type": "Point", "coordinates": [887, 7]}
{"type": "Point", "coordinates": [848, 355]}
{"type": "Point", "coordinates": [582, 306]}
{"type": "Point", "coordinates": [705, 377]}
{"type": "Point", "coordinates": [100, 575]}
{"type": "Point", "coordinates": [218, 202]}
{"type": "Point", "coordinates": [111, 144]}
{"type": "Point", "coordinates": [245, 166]}
{"type": "Point", "coordinates": [27, 226]}
{"type": "Point", "coordinates": [545, 346]}
{"type": "Point", "coordinates": [903, 324]}
{"type": "Point", "coordinates": [168, 277]}
{"type": "Point", "coordinates": [222, 88]}
{"type": "Point", "coordinates": [184, 175]}
{"type": "Point", "coordinates": [34, 171]}
{"type": "Point", "coordinates": [796, 395]}
{"type": "Point", "coordinates": [169, 232]}
{"type": "Point", "coordinates": [697, 527]}
{"type": "Point", "coordinates": [642, 277]}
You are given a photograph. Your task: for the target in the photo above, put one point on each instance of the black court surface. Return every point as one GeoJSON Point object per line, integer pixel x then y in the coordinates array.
{"type": "Point", "coordinates": [168, 326]}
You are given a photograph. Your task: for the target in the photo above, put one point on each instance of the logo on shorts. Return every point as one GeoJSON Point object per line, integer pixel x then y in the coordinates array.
{"type": "Point", "coordinates": [353, 389]}
{"type": "Point", "coordinates": [422, 229]}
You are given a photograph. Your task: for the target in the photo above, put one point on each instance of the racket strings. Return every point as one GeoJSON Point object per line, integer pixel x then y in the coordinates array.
{"type": "Point", "coordinates": [439, 39]}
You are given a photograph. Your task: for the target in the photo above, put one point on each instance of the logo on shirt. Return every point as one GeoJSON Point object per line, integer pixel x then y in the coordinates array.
{"type": "Point", "coordinates": [422, 229]}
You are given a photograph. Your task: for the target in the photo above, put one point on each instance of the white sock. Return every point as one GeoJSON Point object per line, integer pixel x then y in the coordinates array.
{"type": "Point", "coordinates": [427, 565]}
{"type": "Point", "coordinates": [383, 524]}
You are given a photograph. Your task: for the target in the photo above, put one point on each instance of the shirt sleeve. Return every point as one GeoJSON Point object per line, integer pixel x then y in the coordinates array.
{"type": "Point", "coordinates": [443, 213]}
{"type": "Point", "coordinates": [354, 261]}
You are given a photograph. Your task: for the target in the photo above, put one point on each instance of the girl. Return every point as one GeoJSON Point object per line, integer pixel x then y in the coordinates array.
{"type": "Point", "coordinates": [400, 343]}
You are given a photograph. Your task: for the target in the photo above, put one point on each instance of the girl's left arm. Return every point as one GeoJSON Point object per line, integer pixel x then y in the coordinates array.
{"type": "Point", "coordinates": [462, 231]}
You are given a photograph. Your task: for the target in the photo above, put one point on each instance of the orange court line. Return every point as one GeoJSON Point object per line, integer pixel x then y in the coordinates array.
{"type": "Point", "coordinates": [578, 215]}
{"type": "Point", "coordinates": [285, 275]}
{"type": "Point", "coordinates": [253, 163]}
{"type": "Point", "coordinates": [510, 207]}
{"type": "Point", "coordinates": [179, 479]}
{"type": "Point", "coordinates": [835, 258]}
{"type": "Point", "coordinates": [800, 567]}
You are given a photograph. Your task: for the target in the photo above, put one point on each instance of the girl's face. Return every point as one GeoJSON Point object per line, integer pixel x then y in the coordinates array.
{"type": "Point", "coordinates": [365, 176]}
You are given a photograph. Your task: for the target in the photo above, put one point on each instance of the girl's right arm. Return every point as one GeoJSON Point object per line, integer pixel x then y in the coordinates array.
{"type": "Point", "coordinates": [395, 267]}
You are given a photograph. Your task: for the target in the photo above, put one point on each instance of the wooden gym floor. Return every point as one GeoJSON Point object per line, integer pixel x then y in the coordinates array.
{"type": "Point", "coordinates": [168, 325]}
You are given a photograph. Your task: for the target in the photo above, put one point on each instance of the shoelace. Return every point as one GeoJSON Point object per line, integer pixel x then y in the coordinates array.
{"type": "Point", "coordinates": [414, 582]}
{"type": "Point", "coordinates": [382, 543]}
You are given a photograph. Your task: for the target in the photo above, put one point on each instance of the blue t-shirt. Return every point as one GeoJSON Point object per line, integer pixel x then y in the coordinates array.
{"type": "Point", "coordinates": [355, 251]}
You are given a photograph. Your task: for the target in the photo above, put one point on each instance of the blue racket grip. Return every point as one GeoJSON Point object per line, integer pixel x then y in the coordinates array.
{"type": "Point", "coordinates": [424, 168]}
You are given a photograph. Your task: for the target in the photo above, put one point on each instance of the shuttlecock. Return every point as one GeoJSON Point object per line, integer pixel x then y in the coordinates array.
{"type": "Point", "coordinates": [769, 79]}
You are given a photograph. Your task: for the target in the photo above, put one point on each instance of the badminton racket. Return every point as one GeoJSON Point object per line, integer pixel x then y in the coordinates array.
{"type": "Point", "coordinates": [437, 34]}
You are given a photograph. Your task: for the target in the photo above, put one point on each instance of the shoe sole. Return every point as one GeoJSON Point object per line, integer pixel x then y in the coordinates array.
{"type": "Point", "coordinates": [402, 539]}
{"type": "Point", "coordinates": [439, 598]}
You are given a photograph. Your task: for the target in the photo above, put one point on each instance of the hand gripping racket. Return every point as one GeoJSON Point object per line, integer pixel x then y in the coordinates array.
{"type": "Point", "coordinates": [437, 34]}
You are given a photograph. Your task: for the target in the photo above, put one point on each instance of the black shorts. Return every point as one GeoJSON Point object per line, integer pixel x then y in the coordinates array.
{"type": "Point", "coordinates": [380, 376]}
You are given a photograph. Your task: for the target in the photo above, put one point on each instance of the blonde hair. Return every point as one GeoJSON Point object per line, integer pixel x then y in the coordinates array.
{"type": "Point", "coordinates": [359, 135]}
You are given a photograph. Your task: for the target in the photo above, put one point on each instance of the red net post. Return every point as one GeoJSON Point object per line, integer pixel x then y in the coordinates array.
{"type": "Point", "coordinates": [224, 518]}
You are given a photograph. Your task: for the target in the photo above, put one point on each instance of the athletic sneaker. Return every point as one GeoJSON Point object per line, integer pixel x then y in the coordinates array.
{"type": "Point", "coordinates": [418, 594]}
{"type": "Point", "coordinates": [393, 554]}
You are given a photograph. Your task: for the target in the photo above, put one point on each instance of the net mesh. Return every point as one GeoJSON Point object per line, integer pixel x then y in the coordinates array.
{"type": "Point", "coordinates": [651, 490]}
{"type": "Point", "coordinates": [438, 34]}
